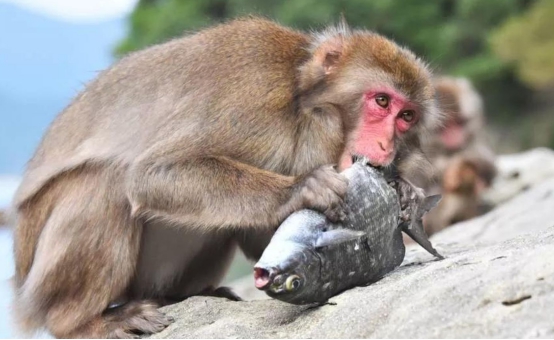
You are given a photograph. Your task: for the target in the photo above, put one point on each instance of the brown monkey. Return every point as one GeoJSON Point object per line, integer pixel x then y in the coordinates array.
{"type": "Point", "coordinates": [142, 188]}
{"type": "Point", "coordinates": [462, 185]}
{"type": "Point", "coordinates": [458, 148]}
{"type": "Point", "coordinates": [463, 132]}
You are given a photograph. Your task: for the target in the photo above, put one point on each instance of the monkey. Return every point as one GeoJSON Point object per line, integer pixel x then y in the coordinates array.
{"type": "Point", "coordinates": [463, 129]}
{"type": "Point", "coordinates": [174, 157]}
{"type": "Point", "coordinates": [462, 184]}
{"type": "Point", "coordinates": [460, 154]}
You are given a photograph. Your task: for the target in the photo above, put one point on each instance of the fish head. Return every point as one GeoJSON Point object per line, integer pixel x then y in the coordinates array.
{"type": "Point", "coordinates": [293, 272]}
{"type": "Point", "coordinates": [290, 277]}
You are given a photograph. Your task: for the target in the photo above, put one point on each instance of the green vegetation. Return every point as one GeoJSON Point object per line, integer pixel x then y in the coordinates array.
{"type": "Point", "coordinates": [506, 47]}
{"type": "Point", "coordinates": [527, 41]}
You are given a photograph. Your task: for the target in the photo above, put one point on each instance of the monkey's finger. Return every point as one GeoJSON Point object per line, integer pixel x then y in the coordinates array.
{"type": "Point", "coordinates": [336, 182]}
{"type": "Point", "coordinates": [336, 211]}
{"type": "Point", "coordinates": [335, 215]}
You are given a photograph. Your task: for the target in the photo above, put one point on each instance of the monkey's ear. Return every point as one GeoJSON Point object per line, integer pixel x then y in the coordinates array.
{"type": "Point", "coordinates": [327, 49]}
{"type": "Point", "coordinates": [328, 54]}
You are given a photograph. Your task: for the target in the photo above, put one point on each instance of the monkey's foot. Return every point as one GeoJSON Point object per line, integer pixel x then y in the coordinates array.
{"type": "Point", "coordinates": [134, 318]}
{"type": "Point", "coordinates": [224, 292]}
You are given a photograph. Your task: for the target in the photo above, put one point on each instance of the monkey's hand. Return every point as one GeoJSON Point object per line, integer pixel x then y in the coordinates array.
{"type": "Point", "coordinates": [323, 190]}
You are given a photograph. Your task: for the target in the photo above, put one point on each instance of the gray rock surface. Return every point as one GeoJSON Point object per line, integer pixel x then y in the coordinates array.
{"type": "Point", "coordinates": [497, 281]}
{"type": "Point", "coordinates": [518, 171]}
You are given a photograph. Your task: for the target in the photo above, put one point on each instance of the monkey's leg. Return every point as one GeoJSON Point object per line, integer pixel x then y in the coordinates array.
{"type": "Point", "coordinates": [212, 192]}
{"type": "Point", "coordinates": [176, 263]}
{"type": "Point", "coordinates": [210, 267]}
{"type": "Point", "coordinates": [253, 242]}
{"type": "Point", "coordinates": [85, 258]}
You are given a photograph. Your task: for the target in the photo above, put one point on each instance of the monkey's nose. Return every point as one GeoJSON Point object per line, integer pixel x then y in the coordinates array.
{"type": "Point", "coordinates": [381, 146]}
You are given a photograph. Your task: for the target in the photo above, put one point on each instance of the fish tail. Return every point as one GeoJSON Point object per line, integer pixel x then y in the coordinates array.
{"type": "Point", "coordinates": [415, 229]}
{"type": "Point", "coordinates": [417, 233]}
{"type": "Point", "coordinates": [428, 203]}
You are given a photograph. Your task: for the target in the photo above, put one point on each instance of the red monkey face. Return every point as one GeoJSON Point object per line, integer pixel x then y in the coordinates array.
{"type": "Point", "coordinates": [384, 92]}
{"type": "Point", "coordinates": [454, 135]}
{"type": "Point", "coordinates": [386, 116]}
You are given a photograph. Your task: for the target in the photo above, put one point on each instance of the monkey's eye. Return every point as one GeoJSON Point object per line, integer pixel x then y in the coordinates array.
{"type": "Point", "coordinates": [408, 116]}
{"type": "Point", "coordinates": [292, 283]}
{"type": "Point", "coordinates": [382, 100]}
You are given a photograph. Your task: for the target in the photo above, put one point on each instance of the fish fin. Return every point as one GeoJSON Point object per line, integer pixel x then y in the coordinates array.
{"type": "Point", "coordinates": [417, 233]}
{"type": "Point", "coordinates": [337, 236]}
{"type": "Point", "coordinates": [429, 203]}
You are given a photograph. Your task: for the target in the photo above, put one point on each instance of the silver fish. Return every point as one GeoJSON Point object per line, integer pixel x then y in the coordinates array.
{"type": "Point", "coordinates": [310, 259]}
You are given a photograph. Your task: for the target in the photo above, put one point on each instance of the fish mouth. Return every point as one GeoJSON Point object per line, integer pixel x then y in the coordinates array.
{"type": "Point", "coordinates": [269, 280]}
{"type": "Point", "coordinates": [274, 282]}
{"type": "Point", "coordinates": [356, 157]}
{"type": "Point", "coordinates": [262, 278]}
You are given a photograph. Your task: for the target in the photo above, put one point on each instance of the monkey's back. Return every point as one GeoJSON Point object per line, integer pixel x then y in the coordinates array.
{"type": "Point", "coordinates": [174, 90]}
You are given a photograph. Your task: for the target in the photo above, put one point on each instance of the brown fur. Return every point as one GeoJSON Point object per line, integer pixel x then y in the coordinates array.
{"type": "Point", "coordinates": [145, 184]}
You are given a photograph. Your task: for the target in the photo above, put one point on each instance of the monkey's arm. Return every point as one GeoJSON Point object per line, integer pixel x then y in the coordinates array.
{"type": "Point", "coordinates": [216, 191]}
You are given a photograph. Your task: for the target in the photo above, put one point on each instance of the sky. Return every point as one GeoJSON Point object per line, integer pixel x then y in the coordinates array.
{"type": "Point", "coordinates": [49, 49]}
{"type": "Point", "coordinates": [78, 11]}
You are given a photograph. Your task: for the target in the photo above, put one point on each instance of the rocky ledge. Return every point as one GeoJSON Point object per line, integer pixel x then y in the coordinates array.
{"type": "Point", "coordinates": [497, 281]}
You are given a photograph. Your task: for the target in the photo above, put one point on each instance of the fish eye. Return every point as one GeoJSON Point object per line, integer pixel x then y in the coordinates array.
{"type": "Point", "coordinates": [293, 283]}
{"type": "Point", "coordinates": [382, 100]}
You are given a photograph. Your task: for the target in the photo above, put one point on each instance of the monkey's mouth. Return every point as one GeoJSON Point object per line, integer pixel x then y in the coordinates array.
{"type": "Point", "coordinates": [360, 158]}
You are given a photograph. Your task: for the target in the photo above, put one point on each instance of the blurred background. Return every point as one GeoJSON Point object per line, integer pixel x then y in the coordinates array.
{"type": "Point", "coordinates": [50, 48]}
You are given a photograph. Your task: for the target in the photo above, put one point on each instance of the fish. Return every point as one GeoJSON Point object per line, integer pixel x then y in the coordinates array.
{"type": "Point", "coordinates": [310, 259]}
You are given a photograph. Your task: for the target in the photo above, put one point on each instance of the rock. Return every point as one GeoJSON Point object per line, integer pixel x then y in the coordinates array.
{"type": "Point", "coordinates": [497, 281]}
{"type": "Point", "coordinates": [517, 172]}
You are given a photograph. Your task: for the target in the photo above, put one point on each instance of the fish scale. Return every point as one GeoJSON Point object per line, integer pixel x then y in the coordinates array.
{"type": "Point", "coordinates": [310, 259]}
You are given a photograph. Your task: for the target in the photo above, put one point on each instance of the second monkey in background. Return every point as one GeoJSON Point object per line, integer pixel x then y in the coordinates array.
{"type": "Point", "coordinates": [460, 153]}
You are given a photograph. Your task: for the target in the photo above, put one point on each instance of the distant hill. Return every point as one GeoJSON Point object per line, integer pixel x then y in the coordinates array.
{"type": "Point", "coordinates": [43, 64]}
